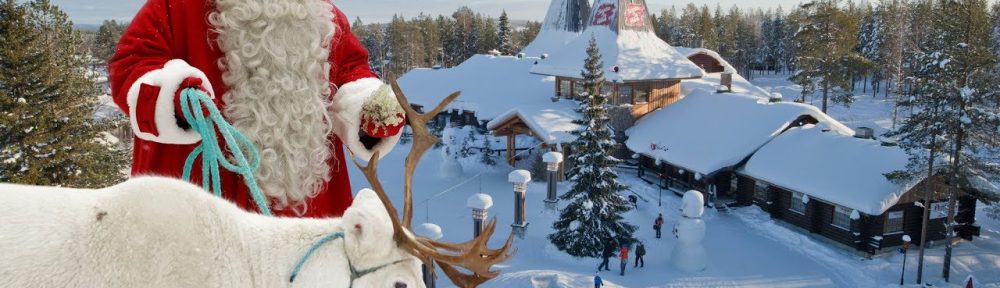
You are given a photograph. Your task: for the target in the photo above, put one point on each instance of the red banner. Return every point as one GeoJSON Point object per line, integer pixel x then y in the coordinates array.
{"type": "Point", "coordinates": [604, 14]}
{"type": "Point", "coordinates": [635, 15]}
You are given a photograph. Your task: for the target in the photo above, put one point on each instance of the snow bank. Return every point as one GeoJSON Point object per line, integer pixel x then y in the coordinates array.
{"type": "Point", "coordinates": [479, 201]}
{"type": "Point", "coordinates": [490, 85]}
{"type": "Point", "coordinates": [708, 131]}
{"type": "Point", "coordinates": [552, 122]}
{"type": "Point", "coordinates": [639, 55]}
{"type": "Point", "coordinates": [844, 170]}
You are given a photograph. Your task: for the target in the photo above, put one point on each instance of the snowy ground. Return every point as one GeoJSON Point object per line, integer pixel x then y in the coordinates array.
{"type": "Point", "coordinates": [746, 248]}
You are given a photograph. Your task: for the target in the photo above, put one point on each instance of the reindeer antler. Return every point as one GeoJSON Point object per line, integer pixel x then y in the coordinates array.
{"type": "Point", "coordinates": [473, 255]}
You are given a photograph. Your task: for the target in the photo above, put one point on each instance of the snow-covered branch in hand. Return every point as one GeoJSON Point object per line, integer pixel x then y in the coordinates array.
{"type": "Point", "coordinates": [367, 104]}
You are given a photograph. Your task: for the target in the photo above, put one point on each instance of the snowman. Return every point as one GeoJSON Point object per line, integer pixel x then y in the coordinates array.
{"type": "Point", "coordinates": [450, 167]}
{"type": "Point", "coordinates": [689, 254]}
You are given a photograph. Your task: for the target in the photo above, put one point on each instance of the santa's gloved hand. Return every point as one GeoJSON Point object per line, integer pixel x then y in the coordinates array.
{"type": "Point", "coordinates": [154, 103]}
{"type": "Point", "coordinates": [367, 117]}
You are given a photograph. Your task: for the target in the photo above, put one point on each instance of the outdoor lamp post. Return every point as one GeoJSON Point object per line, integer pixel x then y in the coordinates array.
{"type": "Point", "coordinates": [520, 179]}
{"type": "Point", "coordinates": [431, 231]}
{"type": "Point", "coordinates": [552, 161]}
{"type": "Point", "coordinates": [906, 246]}
{"type": "Point", "coordinates": [479, 203]}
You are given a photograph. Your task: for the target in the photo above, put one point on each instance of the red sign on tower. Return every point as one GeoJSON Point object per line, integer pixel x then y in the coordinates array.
{"type": "Point", "coordinates": [603, 14]}
{"type": "Point", "coordinates": [635, 15]}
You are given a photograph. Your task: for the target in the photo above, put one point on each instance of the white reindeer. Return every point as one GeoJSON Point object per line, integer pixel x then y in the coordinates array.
{"type": "Point", "coordinates": [160, 232]}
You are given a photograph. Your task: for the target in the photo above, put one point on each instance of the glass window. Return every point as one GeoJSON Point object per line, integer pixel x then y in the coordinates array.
{"type": "Point", "coordinates": [625, 94]}
{"type": "Point", "coordinates": [842, 218]}
{"type": "Point", "coordinates": [578, 89]}
{"type": "Point", "coordinates": [641, 94]}
{"type": "Point", "coordinates": [760, 191]}
{"type": "Point", "coordinates": [606, 89]}
{"type": "Point", "coordinates": [894, 222]}
{"type": "Point", "coordinates": [797, 205]}
{"type": "Point", "coordinates": [565, 88]}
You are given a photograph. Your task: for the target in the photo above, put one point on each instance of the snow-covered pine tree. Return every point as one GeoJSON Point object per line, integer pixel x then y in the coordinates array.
{"type": "Point", "coordinates": [504, 36]}
{"type": "Point", "coordinates": [824, 52]}
{"type": "Point", "coordinates": [487, 157]}
{"type": "Point", "coordinates": [48, 135]}
{"type": "Point", "coordinates": [466, 147]}
{"type": "Point", "coordinates": [955, 83]}
{"type": "Point", "coordinates": [870, 40]}
{"type": "Point", "coordinates": [593, 214]}
{"type": "Point", "coordinates": [896, 20]}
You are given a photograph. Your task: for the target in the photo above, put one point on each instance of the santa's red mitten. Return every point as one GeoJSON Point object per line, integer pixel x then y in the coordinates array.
{"type": "Point", "coordinates": [189, 82]}
{"type": "Point", "coordinates": [154, 107]}
{"type": "Point", "coordinates": [367, 117]}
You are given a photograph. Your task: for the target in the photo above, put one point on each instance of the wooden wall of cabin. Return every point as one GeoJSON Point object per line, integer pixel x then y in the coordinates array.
{"type": "Point", "coordinates": [744, 192]}
{"type": "Point", "coordinates": [661, 94]}
{"type": "Point", "coordinates": [707, 63]}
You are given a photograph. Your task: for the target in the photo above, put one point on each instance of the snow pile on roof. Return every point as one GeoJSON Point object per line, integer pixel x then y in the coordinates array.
{"type": "Point", "coordinates": [490, 85]}
{"type": "Point", "coordinates": [550, 122]}
{"type": "Point", "coordinates": [430, 231]}
{"type": "Point", "coordinates": [479, 201]}
{"type": "Point", "coordinates": [519, 176]}
{"type": "Point", "coordinates": [706, 131]}
{"type": "Point", "coordinates": [840, 169]}
{"type": "Point", "coordinates": [563, 23]}
{"type": "Point", "coordinates": [712, 80]}
{"type": "Point", "coordinates": [639, 55]}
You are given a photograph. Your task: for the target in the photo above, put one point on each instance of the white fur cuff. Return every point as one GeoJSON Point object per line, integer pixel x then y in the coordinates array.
{"type": "Point", "coordinates": [346, 110]}
{"type": "Point", "coordinates": [168, 79]}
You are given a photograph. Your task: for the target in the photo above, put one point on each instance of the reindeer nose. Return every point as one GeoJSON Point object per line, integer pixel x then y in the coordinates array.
{"type": "Point", "coordinates": [400, 285]}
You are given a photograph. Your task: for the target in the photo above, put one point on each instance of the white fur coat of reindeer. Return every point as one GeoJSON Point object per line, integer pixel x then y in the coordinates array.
{"type": "Point", "coordinates": [159, 232]}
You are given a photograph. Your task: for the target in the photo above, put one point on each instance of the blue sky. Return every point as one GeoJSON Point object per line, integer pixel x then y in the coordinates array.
{"type": "Point", "coordinates": [94, 11]}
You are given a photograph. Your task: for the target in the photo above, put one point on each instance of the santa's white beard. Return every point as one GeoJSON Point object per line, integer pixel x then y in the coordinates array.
{"type": "Point", "coordinates": [277, 70]}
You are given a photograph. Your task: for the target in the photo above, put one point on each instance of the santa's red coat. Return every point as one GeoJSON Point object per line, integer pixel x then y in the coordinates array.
{"type": "Point", "coordinates": [164, 30]}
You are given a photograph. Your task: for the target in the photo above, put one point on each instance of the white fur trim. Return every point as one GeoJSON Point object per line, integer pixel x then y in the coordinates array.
{"type": "Point", "coordinates": [346, 111]}
{"type": "Point", "coordinates": [169, 79]}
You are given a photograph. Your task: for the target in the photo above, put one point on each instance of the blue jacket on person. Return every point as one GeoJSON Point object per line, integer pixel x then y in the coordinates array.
{"type": "Point", "coordinates": [598, 282]}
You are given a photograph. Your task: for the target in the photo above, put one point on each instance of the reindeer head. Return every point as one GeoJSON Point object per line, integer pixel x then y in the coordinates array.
{"type": "Point", "coordinates": [473, 256]}
{"type": "Point", "coordinates": [369, 244]}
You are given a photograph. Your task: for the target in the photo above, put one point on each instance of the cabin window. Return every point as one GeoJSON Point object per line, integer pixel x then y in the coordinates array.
{"type": "Point", "coordinates": [606, 90]}
{"type": "Point", "coordinates": [894, 222]}
{"type": "Point", "coordinates": [760, 191]}
{"type": "Point", "coordinates": [578, 89]}
{"type": "Point", "coordinates": [842, 218]}
{"type": "Point", "coordinates": [625, 94]}
{"type": "Point", "coordinates": [565, 88]}
{"type": "Point", "coordinates": [641, 94]}
{"type": "Point", "coordinates": [797, 205]}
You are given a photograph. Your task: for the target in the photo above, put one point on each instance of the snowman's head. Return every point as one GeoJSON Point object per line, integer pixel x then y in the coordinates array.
{"type": "Point", "coordinates": [693, 204]}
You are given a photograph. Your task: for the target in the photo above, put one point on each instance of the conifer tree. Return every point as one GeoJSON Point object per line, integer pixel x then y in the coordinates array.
{"type": "Point", "coordinates": [593, 214]}
{"type": "Point", "coordinates": [107, 39]}
{"type": "Point", "coordinates": [48, 135]}
{"type": "Point", "coordinates": [825, 54]}
{"type": "Point", "coordinates": [487, 157]}
{"type": "Point", "coordinates": [955, 93]}
{"type": "Point", "coordinates": [504, 36]}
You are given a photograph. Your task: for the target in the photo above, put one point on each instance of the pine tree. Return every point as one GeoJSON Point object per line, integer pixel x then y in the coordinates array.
{"type": "Point", "coordinates": [107, 39]}
{"type": "Point", "coordinates": [825, 53]}
{"type": "Point", "coordinates": [594, 212]}
{"type": "Point", "coordinates": [487, 157]}
{"type": "Point", "coordinates": [955, 88]}
{"type": "Point", "coordinates": [47, 131]}
{"type": "Point", "coordinates": [466, 148]}
{"type": "Point", "coordinates": [504, 36]}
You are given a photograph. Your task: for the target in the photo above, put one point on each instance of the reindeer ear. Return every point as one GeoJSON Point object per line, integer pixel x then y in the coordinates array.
{"type": "Point", "coordinates": [367, 226]}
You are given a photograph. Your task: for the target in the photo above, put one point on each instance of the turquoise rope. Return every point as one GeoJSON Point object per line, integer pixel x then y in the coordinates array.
{"type": "Point", "coordinates": [312, 249]}
{"type": "Point", "coordinates": [211, 152]}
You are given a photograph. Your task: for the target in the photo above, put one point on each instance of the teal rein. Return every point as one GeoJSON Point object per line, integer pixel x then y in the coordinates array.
{"type": "Point", "coordinates": [194, 100]}
{"type": "Point", "coordinates": [355, 274]}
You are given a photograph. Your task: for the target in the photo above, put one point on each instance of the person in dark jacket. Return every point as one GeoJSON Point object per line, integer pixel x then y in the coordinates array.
{"type": "Point", "coordinates": [658, 225]}
{"type": "Point", "coordinates": [640, 250]}
{"type": "Point", "coordinates": [609, 250]}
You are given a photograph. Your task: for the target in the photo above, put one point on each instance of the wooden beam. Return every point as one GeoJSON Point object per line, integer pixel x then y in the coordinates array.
{"type": "Point", "coordinates": [511, 148]}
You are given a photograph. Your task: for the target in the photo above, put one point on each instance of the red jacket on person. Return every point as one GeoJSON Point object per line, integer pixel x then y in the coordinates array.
{"type": "Point", "coordinates": [171, 41]}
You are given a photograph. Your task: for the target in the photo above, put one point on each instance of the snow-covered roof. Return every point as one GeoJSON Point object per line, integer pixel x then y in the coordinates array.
{"type": "Point", "coordinates": [707, 131]}
{"type": "Point", "coordinates": [836, 168]}
{"type": "Point", "coordinates": [490, 85]}
{"type": "Point", "coordinates": [712, 80]}
{"type": "Point", "coordinates": [563, 23]}
{"type": "Point", "coordinates": [479, 201]}
{"type": "Point", "coordinates": [519, 176]}
{"type": "Point", "coordinates": [550, 122]}
{"type": "Point", "coordinates": [639, 55]}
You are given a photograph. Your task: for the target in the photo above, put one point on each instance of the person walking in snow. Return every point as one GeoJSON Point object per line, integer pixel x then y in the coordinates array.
{"type": "Point", "coordinates": [598, 282]}
{"type": "Point", "coordinates": [609, 250]}
{"type": "Point", "coordinates": [640, 250]}
{"type": "Point", "coordinates": [658, 225]}
{"type": "Point", "coordinates": [624, 257]}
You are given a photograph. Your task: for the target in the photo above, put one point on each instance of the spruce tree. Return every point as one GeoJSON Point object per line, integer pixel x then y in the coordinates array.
{"type": "Point", "coordinates": [504, 36]}
{"type": "Point", "coordinates": [48, 135]}
{"type": "Point", "coordinates": [593, 214]}
{"type": "Point", "coordinates": [955, 93]}
{"type": "Point", "coordinates": [825, 54]}
{"type": "Point", "coordinates": [107, 39]}
{"type": "Point", "coordinates": [487, 157]}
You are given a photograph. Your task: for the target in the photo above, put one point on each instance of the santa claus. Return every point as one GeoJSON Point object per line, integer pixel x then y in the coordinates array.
{"type": "Point", "coordinates": [289, 74]}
